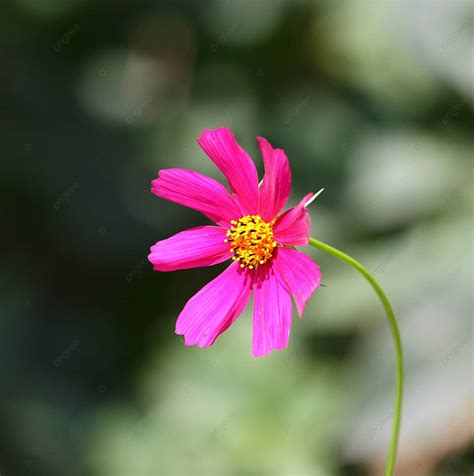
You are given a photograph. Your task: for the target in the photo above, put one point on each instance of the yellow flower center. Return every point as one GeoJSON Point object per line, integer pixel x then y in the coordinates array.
{"type": "Point", "coordinates": [251, 241]}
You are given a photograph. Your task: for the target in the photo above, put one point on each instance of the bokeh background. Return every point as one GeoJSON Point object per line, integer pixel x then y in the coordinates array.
{"type": "Point", "coordinates": [371, 100]}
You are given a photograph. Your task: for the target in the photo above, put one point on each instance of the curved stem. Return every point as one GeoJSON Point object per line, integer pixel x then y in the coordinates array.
{"type": "Point", "coordinates": [392, 453]}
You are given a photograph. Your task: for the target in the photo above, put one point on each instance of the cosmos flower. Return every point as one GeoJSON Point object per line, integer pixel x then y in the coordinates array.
{"type": "Point", "coordinates": [251, 233]}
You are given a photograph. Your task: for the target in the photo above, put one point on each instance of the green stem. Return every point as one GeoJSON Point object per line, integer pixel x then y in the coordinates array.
{"type": "Point", "coordinates": [392, 453]}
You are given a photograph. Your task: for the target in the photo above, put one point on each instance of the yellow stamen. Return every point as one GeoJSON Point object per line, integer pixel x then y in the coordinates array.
{"type": "Point", "coordinates": [251, 240]}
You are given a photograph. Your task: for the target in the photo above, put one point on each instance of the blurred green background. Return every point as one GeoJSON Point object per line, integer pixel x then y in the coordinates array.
{"type": "Point", "coordinates": [371, 100]}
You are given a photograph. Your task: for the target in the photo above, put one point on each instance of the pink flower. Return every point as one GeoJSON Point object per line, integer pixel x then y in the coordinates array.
{"type": "Point", "coordinates": [251, 232]}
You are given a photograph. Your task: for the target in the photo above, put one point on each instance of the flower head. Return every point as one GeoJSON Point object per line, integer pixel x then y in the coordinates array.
{"type": "Point", "coordinates": [251, 232]}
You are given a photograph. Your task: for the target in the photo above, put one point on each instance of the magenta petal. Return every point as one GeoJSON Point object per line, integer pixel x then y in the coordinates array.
{"type": "Point", "coordinates": [293, 226]}
{"type": "Point", "coordinates": [198, 192]}
{"type": "Point", "coordinates": [201, 246]}
{"type": "Point", "coordinates": [276, 184]}
{"type": "Point", "coordinates": [237, 166]}
{"type": "Point", "coordinates": [211, 311]}
{"type": "Point", "coordinates": [298, 273]}
{"type": "Point", "coordinates": [272, 313]}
